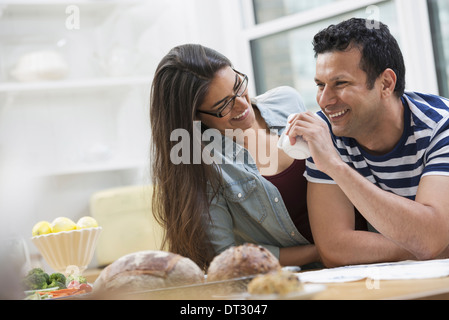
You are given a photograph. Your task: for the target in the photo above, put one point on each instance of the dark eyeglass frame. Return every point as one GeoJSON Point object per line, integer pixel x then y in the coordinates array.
{"type": "Point", "coordinates": [219, 113]}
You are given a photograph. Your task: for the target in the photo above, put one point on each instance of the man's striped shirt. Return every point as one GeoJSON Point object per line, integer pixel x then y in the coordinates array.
{"type": "Point", "coordinates": [422, 150]}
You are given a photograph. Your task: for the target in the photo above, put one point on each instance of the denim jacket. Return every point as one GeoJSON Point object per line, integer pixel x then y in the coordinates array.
{"type": "Point", "coordinates": [249, 208]}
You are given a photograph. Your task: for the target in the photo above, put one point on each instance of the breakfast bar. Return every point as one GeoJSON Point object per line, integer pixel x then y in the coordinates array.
{"type": "Point", "coordinates": [416, 281]}
{"type": "Point", "coordinates": [406, 280]}
{"type": "Point", "coordinates": [423, 289]}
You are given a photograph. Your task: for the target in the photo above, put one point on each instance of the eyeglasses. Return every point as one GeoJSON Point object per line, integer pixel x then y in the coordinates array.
{"type": "Point", "coordinates": [228, 105]}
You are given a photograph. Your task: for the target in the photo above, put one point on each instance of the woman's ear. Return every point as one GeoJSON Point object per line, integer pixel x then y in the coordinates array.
{"type": "Point", "coordinates": [389, 80]}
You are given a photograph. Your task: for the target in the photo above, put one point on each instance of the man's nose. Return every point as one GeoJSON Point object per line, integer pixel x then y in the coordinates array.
{"type": "Point", "coordinates": [326, 97]}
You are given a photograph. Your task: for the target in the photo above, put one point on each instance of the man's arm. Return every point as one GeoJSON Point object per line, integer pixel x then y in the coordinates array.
{"type": "Point", "coordinates": [332, 219]}
{"type": "Point", "coordinates": [420, 226]}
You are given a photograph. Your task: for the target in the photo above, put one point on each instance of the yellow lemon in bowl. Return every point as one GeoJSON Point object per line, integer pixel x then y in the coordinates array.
{"type": "Point", "coordinates": [42, 227]}
{"type": "Point", "coordinates": [86, 222]}
{"type": "Point", "coordinates": [62, 224]}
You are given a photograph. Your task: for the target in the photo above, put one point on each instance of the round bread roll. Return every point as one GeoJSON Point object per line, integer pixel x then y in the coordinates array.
{"type": "Point", "coordinates": [147, 270]}
{"type": "Point", "coordinates": [245, 260]}
{"type": "Point", "coordinates": [281, 282]}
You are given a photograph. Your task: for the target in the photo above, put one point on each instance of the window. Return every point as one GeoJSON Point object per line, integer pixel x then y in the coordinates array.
{"type": "Point", "coordinates": [439, 17]}
{"type": "Point", "coordinates": [287, 57]}
{"type": "Point", "coordinates": [265, 11]}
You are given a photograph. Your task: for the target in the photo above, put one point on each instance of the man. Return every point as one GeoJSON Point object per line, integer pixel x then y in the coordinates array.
{"type": "Point", "coordinates": [386, 155]}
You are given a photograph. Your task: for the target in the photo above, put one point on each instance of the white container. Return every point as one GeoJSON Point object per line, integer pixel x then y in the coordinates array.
{"type": "Point", "coordinates": [41, 65]}
{"type": "Point", "coordinates": [68, 252]}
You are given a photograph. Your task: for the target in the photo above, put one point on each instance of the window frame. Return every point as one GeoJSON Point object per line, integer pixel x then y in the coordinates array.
{"type": "Point", "coordinates": [414, 23]}
{"type": "Point", "coordinates": [439, 49]}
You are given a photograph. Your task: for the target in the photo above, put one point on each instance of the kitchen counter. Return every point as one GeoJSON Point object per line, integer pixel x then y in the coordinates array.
{"type": "Point", "coordinates": [92, 274]}
{"type": "Point", "coordinates": [427, 280]}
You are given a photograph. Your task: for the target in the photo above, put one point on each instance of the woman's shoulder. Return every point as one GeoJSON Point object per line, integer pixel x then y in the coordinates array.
{"type": "Point", "coordinates": [279, 103]}
{"type": "Point", "coordinates": [279, 95]}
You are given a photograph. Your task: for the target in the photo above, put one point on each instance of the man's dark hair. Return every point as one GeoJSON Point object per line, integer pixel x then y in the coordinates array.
{"type": "Point", "coordinates": [379, 48]}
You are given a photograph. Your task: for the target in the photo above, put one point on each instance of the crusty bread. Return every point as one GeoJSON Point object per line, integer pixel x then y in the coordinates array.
{"type": "Point", "coordinates": [245, 260]}
{"type": "Point", "coordinates": [147, 270]}
{"type": "Point", "coordinates": [281, 282]}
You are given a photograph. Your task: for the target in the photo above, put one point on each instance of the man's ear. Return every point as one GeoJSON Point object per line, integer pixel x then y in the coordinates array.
{"type": "Point", "coordinates": [388, 83]}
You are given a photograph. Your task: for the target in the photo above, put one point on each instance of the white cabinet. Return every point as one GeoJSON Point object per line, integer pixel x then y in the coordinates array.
{"type": "Point", "coordinates": [74, 85]}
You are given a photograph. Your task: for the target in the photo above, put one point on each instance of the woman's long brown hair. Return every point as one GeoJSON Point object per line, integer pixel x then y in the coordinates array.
{"type": "Point", "coordinates": [182, 192]}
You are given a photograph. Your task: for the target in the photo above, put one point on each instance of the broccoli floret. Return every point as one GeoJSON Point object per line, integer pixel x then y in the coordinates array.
{"type": "Point", "coordinates": [76, 277]}
{"type": "Point", "coordinates": [36, 279]}
{"type": "Point", "coordinates": [57, 280]}
{"type": "Point", "coordinates": [60, 285]}
{"type": "Point", "coordinates": [37, 271]}
{"type": "Point", "coordinates": [47, 277]}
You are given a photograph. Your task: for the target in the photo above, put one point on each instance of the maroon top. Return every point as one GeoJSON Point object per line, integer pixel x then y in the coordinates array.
{"type": "Point", "coordinates": [292, 185]}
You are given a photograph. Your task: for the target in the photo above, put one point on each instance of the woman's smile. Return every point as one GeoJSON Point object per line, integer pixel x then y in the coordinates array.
{"type": "Point", "coordinates": [242, 116]}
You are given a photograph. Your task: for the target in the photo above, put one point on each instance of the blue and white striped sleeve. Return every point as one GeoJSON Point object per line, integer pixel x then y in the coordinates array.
{"type": "Point", "coordinates": [312, 174]}
{"type": "Point", "coordinates": [437, 154]}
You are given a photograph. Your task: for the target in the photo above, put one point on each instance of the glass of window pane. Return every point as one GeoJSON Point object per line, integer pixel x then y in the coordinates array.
{"type": "Point", "coordinates": [439, 17]}
{"type": "Point", "coordinates": [273, 9]}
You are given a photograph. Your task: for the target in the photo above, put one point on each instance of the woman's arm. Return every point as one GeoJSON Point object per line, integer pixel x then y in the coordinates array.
{"type": "Point", "coordinates": [220, 226]}
{"type": "Point", "coordinates": [298, 256]}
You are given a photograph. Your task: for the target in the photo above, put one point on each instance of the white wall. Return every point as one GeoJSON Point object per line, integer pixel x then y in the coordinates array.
{"type": "Point", "coordinates": [47, 138]}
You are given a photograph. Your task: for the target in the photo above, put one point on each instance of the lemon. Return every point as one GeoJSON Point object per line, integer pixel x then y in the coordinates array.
{"type": "Point", "coordinates": [42, 227]}
{"type": "Point", "coordinates": [86, 222]}
{"type": "Point", "coordinates": [62, 224]}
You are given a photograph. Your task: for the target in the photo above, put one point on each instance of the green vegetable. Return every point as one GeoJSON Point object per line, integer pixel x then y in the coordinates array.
{"type": "Point", "coordinates": [36, 279]}
{"type": "Point", "coordinates": [37, 296]}
{"type": "Point", "coordinates": [76, 277]}
{"type": "Point", "coordinates": [57, 280]}
{"type": "Point", "coordinates": [34, 296]}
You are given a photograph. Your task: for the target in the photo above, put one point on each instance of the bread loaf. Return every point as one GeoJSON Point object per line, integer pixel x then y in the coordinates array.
{"type": "Point", "coordinates": [147, 270]}
{"type": "Point", "coordinates": [241, 261]}
{"type": "Point", "coordinates": [281, 282]}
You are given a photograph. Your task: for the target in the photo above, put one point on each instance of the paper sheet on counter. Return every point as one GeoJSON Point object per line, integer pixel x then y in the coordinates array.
{"type": "Point", "coordinates": [383, 271]}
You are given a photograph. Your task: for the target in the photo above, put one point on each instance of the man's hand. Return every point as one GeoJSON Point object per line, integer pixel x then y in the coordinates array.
{"type": "Point", "coordinates": [316, 132]}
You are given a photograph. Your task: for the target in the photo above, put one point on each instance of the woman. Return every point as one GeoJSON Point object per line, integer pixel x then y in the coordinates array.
{"type": "Point", "coordinates": [244, 195]}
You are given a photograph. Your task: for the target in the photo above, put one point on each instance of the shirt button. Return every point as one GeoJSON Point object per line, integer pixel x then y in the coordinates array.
{"type": "Point", "coordinates": [292, 234]}
{"type": "Point", "coordinates": [276, 199]}
{"type": "Point", "coordinates": [239, 195]}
